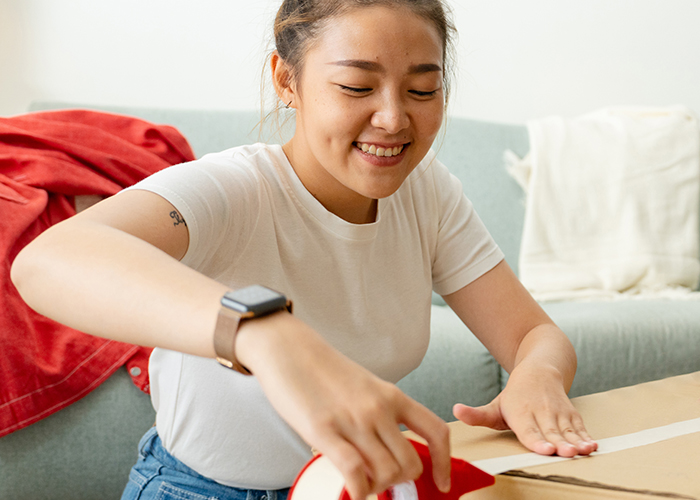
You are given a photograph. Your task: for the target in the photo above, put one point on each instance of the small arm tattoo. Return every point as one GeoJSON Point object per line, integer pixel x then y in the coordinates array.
{"type": "Point", "coordinates": [175, 215]}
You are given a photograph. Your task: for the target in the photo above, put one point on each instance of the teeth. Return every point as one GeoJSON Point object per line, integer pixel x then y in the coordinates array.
{"type": "Point", "coordinates": [379, 151]}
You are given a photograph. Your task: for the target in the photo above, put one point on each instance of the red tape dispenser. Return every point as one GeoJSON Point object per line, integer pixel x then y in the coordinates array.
{"type": "Point", "coordinates": [320, 480]}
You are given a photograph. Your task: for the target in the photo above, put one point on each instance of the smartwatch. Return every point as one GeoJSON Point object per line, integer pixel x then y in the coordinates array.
{"type": "Point", "coordinates": [237, 306]}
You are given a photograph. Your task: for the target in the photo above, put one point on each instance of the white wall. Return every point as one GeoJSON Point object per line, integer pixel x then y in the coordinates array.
{"type": "Point", "coordinates": [523, 59]}
{"type": "Point", "coordinates": [518, 59]}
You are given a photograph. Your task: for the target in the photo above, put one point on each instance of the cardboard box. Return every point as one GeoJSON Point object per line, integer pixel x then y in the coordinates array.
{"type": "Point", "coordinates": [666, 469]}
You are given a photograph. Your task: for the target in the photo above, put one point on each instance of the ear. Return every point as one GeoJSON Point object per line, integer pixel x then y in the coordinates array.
{"type": "Point", "coordinates": [282, 80]}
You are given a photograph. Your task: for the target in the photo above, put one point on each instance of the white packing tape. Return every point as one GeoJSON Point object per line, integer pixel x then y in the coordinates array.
{"type": "Point", "coordinates": [499, 465]}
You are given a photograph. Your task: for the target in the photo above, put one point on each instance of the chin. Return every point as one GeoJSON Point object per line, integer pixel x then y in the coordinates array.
{"type": "Point", "coordinates": [384, 191]}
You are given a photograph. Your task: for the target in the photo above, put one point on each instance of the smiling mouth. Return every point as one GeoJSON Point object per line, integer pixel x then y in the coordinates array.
{"type": "Point", "coordinates": [378, 150]}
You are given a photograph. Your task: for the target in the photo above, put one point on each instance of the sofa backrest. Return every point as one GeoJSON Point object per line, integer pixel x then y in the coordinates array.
{"type": "Point", "coordinates": [472, 150]}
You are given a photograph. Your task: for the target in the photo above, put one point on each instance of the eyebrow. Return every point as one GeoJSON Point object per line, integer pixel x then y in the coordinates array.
{"type": "Point", "coordinates": [376, 67]}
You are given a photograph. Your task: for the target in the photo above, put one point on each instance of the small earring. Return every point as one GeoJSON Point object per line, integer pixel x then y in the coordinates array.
{"type": "Point", "coordinates": [287, 105]}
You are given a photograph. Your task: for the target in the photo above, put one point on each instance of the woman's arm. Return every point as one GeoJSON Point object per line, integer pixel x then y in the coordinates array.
{"type": "Point", "coordinates": [539, 357]}
{"type": "Point", "coordinates": [114, 271]}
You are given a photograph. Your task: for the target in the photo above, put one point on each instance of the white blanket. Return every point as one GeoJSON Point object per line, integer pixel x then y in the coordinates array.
{"type": "Point", "coordinates": [612, 204]}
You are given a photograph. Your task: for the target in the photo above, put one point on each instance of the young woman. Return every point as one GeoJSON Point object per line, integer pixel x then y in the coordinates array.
{"type": "Point", "coordinates": [356, 222]}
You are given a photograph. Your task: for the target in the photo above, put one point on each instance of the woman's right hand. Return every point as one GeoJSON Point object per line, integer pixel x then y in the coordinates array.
{"type": "Point", "coordinates": [340, 408]}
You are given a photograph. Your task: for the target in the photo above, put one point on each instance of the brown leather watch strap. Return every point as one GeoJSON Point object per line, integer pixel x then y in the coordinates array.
{"type": "Point", "coordinates": [227, 325]}
{"type": "Point", "coordinates": [225, 339]}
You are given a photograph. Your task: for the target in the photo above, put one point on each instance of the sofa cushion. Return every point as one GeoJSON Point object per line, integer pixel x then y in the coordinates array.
{"type": "Point", "coordinates": [84, 451]}
{"type": "Point", "coordinates": [627, 342]}
{"type": "Point", "coordinates": [456, 369]}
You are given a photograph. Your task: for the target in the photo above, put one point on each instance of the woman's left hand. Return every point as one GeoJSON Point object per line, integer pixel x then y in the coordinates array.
{"type": "Point", "coordinates": [536, 408]}
{"type": "Point", "coordinates": [541, 361]}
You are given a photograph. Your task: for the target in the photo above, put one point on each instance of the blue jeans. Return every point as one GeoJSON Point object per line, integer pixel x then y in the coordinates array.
{"type": "Point", "coordinates": [159, 475]}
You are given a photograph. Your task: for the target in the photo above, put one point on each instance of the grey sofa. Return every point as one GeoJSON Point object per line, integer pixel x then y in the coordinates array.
{"type": "Point", "coordinates": [85, 451]}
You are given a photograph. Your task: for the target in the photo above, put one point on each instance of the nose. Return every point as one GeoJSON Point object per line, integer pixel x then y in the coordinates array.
{"type": "Point", "coordinates": [391, 115]}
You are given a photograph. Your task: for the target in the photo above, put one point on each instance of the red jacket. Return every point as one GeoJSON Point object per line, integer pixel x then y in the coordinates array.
{"type": "Point", "coordinates": [46, 159]}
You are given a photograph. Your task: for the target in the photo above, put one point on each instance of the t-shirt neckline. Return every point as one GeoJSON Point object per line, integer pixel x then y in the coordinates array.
{"type": "Point", "coordinates": [309, 203]}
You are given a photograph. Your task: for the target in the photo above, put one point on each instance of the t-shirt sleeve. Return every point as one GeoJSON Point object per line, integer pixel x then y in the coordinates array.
{"type": "Point", "coordinates": [464, 248]}
{"type": "Point", "coordinates": [218, 196]}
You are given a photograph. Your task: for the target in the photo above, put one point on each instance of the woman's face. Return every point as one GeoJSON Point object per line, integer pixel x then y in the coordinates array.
{"type": "Point", "coordinates": [369, 104]}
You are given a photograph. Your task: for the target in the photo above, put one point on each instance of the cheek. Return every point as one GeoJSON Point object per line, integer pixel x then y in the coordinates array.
{"type": "Point", "coordinates": [431, 120]}
{"type": "Point", "coordinates": [331, 120]}
{"type": "Point", "coordinates": [339, 126]}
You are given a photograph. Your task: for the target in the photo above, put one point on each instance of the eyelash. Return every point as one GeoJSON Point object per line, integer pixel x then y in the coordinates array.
{"type": "Point", "coordinates": [358, 90]}
{"type": "Point", "coordinates": [355, 90]}
{"type": "Point", "coordinates": [424, 94]}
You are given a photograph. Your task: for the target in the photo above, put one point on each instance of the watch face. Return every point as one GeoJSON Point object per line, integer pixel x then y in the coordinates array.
{"type": "Point", "coordinates": [255, 299]}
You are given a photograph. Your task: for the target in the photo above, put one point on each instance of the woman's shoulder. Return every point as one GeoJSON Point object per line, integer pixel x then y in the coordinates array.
{"type": "Point", "coordinates": [238, 172]}
{"type": "Point", "coordinates": [247, 164]}
{"type": "Point", "coordinates": [245, 156]}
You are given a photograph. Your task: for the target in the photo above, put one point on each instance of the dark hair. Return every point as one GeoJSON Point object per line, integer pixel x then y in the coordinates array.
{"type": "Point", "coordinates": [300, 22]}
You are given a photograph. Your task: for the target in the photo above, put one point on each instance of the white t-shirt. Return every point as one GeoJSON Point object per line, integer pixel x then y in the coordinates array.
{"type": "Point", "coordinates": [365, 287]}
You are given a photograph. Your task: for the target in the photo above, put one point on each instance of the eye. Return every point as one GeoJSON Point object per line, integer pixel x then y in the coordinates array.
{"type": "Point", "coordinates": [355, 90]}
{"type": "Point", "coordinates": [421, 93]}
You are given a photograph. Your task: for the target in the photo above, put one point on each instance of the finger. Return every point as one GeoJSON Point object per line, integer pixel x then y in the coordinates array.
{"type": "Point", "coordinates": [573, 429]}
{"type": "Point", "coordinates": [484, 416]}
{"type": "Point", "coordinates": [568, 434]}
{"type": "Point", "coordinates": [436, 432]}
{"type": "Point", "coordinates": [350, 463]}
{"type": "Point", "coordinates": [387, 461]}
{"type": "Point", "coordinates": [405, 455]}
{"type": "Point", "coordinates": [557, 432]}
{"type": "Point", "coordinates": [529, 434]}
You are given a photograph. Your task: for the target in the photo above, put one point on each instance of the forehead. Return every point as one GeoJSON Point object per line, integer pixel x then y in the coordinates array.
{"type": "Point", "coordinates": [379, 34]}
